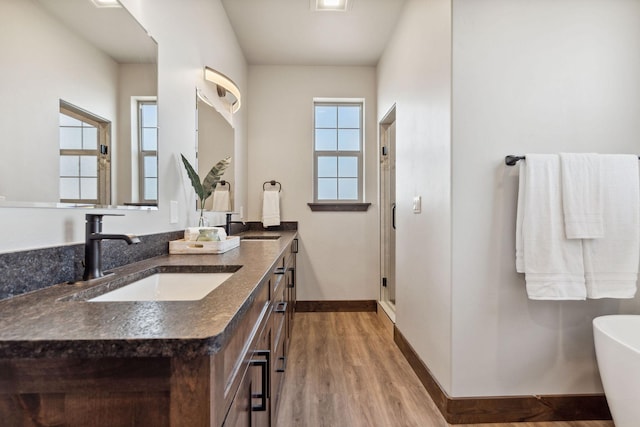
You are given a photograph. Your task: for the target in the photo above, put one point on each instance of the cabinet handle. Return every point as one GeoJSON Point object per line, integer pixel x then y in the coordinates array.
{"type": "Point", "coordinates": [264, 366]}
{"type": "Point", "coordinates": [393, 216]}
{"type": "Point", "coordinates": [293, 278]}
{"type": "Point", "coordinates": [281, 307]}
{"type": "Point", "coordinates": [279, 270]}
{"type": "Point", "coordinates": [283, 359]}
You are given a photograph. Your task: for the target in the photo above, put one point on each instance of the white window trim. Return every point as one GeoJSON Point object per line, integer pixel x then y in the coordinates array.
{"type": "Point", "coordinates": [104, 139]}
{"type": "Point", "coordinates": [137, 195]}
{"type": "Point", "coordinates": [334, 205]}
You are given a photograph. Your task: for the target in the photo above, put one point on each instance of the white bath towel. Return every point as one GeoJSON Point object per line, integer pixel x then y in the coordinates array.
{"type": "Point", "coordinates": [582, 195]}
{"type": "Point", "coordinates": [522, 183]}
{"type": "Point", "coordinates": [270, 208]}
{"type": "Point", "coordinates": [552, 263]}
{"type": "Point", "coordinates": [221, 201]}
{"type": "Point", "coordinates": [611, 263]}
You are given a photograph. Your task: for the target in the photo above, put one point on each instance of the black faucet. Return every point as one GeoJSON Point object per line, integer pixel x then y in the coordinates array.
{"type": "Point", "coordinates": [93, 245]}
{"type": "Point", "coordinates": [227, 226]}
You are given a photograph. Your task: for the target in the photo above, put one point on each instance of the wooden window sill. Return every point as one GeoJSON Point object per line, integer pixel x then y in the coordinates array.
{"type": "Point", "coordinates": [339, 207]}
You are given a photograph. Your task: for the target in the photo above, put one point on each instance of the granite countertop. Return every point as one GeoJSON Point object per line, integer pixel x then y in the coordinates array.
{"type": "Point", "coordinates": [57, 322]}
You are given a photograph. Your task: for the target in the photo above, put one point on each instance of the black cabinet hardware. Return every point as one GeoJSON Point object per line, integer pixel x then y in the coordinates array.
{"type": "Point", "coordinates": [264, 366]}
{"type": "Point", "coordinates": [282, 359]}
{"type": "Point", "coordinates": [281, 307]}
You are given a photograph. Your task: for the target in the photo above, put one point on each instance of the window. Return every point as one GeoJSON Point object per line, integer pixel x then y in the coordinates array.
{"type": "Point", "coordinates": [84, 157]}
{"type": "Point", "coordinates": [338, 153]}
{"type": "Point", "coordinates": [148, 153]}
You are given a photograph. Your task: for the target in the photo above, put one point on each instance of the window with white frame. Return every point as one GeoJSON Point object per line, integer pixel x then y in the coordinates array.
{"type": "Point", "coordinates": [338, 151]}
{"type": "Point", "coordinates": [84, 173]}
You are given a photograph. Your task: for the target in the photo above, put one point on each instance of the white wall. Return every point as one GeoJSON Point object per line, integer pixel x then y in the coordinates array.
{"type": "Point", "coordinates": [191, 34]}
{"type": "Point", "coordinates": [414, 73]}
{"type": "Point", "coordinates": [339, 250]}
{"type": "Point", "coordinates": [529, 76]}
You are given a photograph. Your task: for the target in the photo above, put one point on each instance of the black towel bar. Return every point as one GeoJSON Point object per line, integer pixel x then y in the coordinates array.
{"type": "Point", "coordinates": [511, 160]}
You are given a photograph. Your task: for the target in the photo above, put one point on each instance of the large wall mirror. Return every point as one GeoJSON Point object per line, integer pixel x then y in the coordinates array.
{"type": "Point", "coordinates": [78, 111]}
{"type": "Point", "coordinates": [215, 141]}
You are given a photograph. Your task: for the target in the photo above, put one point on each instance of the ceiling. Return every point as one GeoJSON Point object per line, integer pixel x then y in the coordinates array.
{"type": "Point", "coordinates": [113, 30]}
{"type": "Point", "coordinates": [288, 32]}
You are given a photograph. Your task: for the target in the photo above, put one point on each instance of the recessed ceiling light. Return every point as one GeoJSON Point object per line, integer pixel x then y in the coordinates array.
{"type": "Point", "coordinates": [331, 5]}
{"type": "Point", "coordinates": [106, 3]}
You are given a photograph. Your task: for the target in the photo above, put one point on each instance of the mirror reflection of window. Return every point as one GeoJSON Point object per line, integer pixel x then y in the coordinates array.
{"type": "Point", "coordinates": [148, 154]}
{"type": "Point", "coordinates": [84, 157]}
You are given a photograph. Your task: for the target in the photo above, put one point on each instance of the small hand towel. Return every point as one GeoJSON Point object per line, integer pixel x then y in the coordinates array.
{"type": "Point", "coordinates": [222, 234]}
{"type": "Point", "coordinates": [611, 263]}
{"type": "Point", "coordinates": [553, 265]}
{"type": "Point", "coordinates": [270, 208]}
{"type": "Point", "coordinates": [191, 234]}
{"type": "Point", "coordinates": [582, 195]}
{"type": "Point", "coordinates": [221, 201]}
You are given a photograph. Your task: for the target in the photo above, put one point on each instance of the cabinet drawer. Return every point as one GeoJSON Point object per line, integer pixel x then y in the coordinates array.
{"type": "Point", "coordinates": [233, 352]}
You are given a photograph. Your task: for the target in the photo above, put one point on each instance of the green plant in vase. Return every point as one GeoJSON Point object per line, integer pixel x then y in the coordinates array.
{"type": "Point", "coordinates": [205, 188]}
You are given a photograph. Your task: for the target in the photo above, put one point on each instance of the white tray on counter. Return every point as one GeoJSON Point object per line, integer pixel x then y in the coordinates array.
{"type": "Point", "coordinates": [203, 247]}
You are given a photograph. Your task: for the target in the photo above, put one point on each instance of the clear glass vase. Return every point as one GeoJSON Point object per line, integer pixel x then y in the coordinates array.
{"type": "Point", "coordinates": [202, 221]}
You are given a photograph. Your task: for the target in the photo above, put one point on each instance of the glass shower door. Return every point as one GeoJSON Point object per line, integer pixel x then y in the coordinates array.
{"type": "Point", "coordinates": [388, 214]}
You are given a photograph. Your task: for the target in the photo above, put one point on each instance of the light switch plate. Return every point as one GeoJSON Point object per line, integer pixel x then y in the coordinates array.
{"type": "Point", "coordinates": [173, 212]}
{"type": "Point", "coordinates": [417, 204]}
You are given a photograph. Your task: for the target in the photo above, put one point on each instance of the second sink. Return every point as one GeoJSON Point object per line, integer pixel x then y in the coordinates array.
{"type": "Point", "coordinates": [261, 237]}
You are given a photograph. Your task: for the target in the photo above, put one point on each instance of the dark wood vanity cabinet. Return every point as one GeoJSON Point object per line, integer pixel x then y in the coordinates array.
{"type": "Point", "coordinates": [291, 287]}
{"type": "Point", "coordinates": [258, 396]}
{"type": "Point", "coordinates": [238, 385]}
{"type": "Point", "coordinates": [282, 321]}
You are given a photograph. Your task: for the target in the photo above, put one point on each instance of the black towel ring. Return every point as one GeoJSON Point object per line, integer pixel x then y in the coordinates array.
{"type": "Point", "coordinates": [222, 183]}
{"type": "Point", "coordinates": [273, 183]}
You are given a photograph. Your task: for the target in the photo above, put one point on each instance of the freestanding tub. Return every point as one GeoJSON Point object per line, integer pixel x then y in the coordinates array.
{"type": "Point", "coordinates": [617, 341]}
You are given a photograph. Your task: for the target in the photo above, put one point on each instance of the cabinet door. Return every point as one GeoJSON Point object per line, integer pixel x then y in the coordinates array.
{"type": "Point", "coordinates": [251, 406]}
{"type": "Point", "coordinates": [239, 414]}
{"type": "Point", "coordinates": [279, 356]}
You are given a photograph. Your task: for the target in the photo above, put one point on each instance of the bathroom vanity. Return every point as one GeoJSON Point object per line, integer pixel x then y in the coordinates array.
{"type": "Point", "coordinates": [219, 360]}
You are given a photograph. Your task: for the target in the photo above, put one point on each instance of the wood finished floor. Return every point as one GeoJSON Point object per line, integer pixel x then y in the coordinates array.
{"type": "Point", "coordinates": [344, 370]}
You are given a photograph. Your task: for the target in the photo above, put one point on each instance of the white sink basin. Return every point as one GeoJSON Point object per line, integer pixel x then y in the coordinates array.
{"type": "Point", "coordinates": [167, 287]}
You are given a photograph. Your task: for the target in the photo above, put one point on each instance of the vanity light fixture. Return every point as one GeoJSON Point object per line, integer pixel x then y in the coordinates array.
{"type": "Point", "coordinates": [106, 3]}
{"type": "Point", "coordinates": [226, 88]}
{"type": "Point", "coordinates": [202, 97]}
{"type": "Point", "coordinates": [331, 5]}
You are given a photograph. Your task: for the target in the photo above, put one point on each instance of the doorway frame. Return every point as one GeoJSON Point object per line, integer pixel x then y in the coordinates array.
{"type": "Point", "coordinates": [387, 120]}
